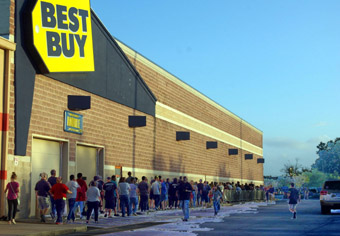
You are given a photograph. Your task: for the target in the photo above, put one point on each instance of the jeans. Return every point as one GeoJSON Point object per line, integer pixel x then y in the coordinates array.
{"type": "Point", "coordinates": [53, 207]}
{"type": "Point", "coordinates": [199, 198]}
{"type": "Point", "coordinates": [71, 209]}
{"type": "Point", "coordinates": [60, 205]}
{"type": "Point", "coordinates": [157, 198]}
{"type": "Point", "coordinates": [124, 202]}
{"type": "Point", "coordinates": [143, 202]}
{"type": "Point", "coordinates": [12, 208]}
{"type": "Point", "coordinates": [81, 206]}
{"type": "Point", "coordinates": [90, 207]}
{"type": "Point", "coordinates": [185, 208]}
{"type": "Point", "coordinates": [133, 201]}
{"type": "Point", "coordinates": [194, 198]}
{"type": "Point", "coordinates": [173, 201]}
{"type": "Point", "coordinates": [217, 206]}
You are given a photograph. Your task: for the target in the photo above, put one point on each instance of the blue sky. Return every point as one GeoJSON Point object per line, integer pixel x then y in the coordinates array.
{"type": "Point", "coordinates": [275, 64]}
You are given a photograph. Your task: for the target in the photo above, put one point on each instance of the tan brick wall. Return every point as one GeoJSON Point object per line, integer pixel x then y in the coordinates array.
{"type": "Point", "coordinates": [105, 124]}
{"type": "Point", "coordinates": [173, 95]}
{"type": "Point", "coordinates": [191, 156]}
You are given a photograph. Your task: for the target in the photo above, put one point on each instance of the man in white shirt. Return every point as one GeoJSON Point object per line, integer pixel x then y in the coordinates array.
{"type": "Point", "coordinates": [71, 197]}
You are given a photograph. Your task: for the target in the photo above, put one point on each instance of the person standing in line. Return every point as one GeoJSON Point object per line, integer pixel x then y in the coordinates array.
{"type": "Point", "coordinates": [217, 196]}
{"type": "Point", "coordinates": [205, 194]}
{"type": "Point", "coordinates": [293, 196]}
{"type": "Point", "coordinates": [81, 194]}
{"type": "Point", "coordinates": [116, 195]}
{"type": "Point", "coordinates": [167, 184]}
{"type": "Point", "coordinates": [184, 191]}
{"type": "Point", "coordinates": [199, 193]}
{"type": "Point", "coordinates": [152, 202]}
{"type": "Point", "coordinates": [93, 200]}
{"type": "Point", "coordinates": [100, 184]}
{"type": "Point", "coordinates": [12, 198]}
{"type": "Point", "coordinates": [173, 199]}
{"type": "Point", "coordinates": [194, 192]}
{"type": "Point", "coordinates": [110, 189]}
{"type": "Point", "coordinates": [42, 189]}
{"type": "Point", "coordinates": [59, 191]}
{"type": "Point", "coordinates": [133, 197]}
{"type": "Point", "coordinates": [124, 192]}
{"type": "Point", "coordinates": [164, 193]}
{"type": "Point", "coordinates": [143, 190]}
{"type": "Point", "coordinates": [53, 180]}
{"type": "Point", "coordinates": [156, 190]}
{"type": "Point", "coordinates": [71, 198]}
{"type": "Point", "coordinates": [129, 178]}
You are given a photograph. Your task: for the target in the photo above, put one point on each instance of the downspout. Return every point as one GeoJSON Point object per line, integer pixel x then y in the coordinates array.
{"type": "Point", "coordinates": [9, 49]}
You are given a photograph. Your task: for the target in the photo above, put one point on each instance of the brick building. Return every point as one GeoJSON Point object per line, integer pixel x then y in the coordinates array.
{"type": "Point", "coordinates": [137, 116]}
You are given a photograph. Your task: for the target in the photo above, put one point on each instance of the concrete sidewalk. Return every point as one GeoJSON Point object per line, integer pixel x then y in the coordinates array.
{"type": "Point", "coordinates": [115, 224]}
{"type": "Point", "coordinates": [34, 228]}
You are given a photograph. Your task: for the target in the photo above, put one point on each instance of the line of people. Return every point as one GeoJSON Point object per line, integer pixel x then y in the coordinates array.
{"type": "Point", "coordinates": [125, 196]}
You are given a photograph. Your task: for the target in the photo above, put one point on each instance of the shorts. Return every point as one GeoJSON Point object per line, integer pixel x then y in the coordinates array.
{"type": "Point", "coordinates": [163, 197]}
{"type": "Point", "coordinates": [205, 198]}
{"type": "Point", "coordinates": [292, 206]}
{"type": "Point", "coordinates": [43, 202]}
{"type": "Point", "coordinates": [110, 203]}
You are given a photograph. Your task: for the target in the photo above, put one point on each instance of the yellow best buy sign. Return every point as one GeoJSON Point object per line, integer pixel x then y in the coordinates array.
{"type": "Point", "coordinates": [62, 34]}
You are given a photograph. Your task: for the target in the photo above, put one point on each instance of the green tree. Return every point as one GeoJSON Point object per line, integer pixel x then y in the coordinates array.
{"type": "Point", "coordinates": [315, 178]}
{"type": "Point", "coordinates": [329, 157]}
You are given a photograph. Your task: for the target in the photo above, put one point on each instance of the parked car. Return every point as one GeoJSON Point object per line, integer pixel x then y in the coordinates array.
{"type": "Point", "coordinates": [314, 193]}
{"type": "Point", "coordinates": [330, 196]}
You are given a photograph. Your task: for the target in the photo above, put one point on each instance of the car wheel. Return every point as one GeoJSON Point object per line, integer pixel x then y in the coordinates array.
{"type": "Point", "coordinates": [325, 210]}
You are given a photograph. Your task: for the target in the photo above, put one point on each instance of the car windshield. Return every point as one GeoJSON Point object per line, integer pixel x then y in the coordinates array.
{"type": "Point", "coordinates": [332, 185]}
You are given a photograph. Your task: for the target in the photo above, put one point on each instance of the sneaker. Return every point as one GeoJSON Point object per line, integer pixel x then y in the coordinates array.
{"type": "Point", "coordinates": [116, 215]}
{"type": "Point", "coordinates": [185, 219]}
{"type": "Point", "coordinates": [13, 222]}
{"type": "Point", "coordinates": [43, 219]}
{"type": "Point", "coordinates": [59, 223]}
{"type": "Point", "coordinates": [87, 222]}
{"type": "Point", "coordinates": [9, 222]}
{"type": "Point", "coordinates": [105, 215]}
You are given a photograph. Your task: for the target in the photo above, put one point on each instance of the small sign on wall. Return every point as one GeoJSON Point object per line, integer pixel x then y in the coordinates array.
{"type": "Point", "coordinates": [16, 161]}
{"type": "Point", "coordinates": [73, 122]}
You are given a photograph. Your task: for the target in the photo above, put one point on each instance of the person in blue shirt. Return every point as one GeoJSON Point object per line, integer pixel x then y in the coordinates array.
{"type": "Point", "coordinates": [164, 193]}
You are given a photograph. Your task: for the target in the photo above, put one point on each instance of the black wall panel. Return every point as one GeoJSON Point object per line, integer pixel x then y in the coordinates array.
{"type": "Point", "coordinates": [180, 135]}
{"type": "Point", "coordinates": [78, 103]}
{"type": "Point", "coordinates": [137, 121]}
{"type": "Point", "coordinates": [233, 151]}
{"type": "Point", "coordinates": [211, 144]}
{"type": "Point", "coordinates": [114, 78]}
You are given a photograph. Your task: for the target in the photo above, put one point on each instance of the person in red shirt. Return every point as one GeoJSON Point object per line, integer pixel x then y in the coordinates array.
{"type": "Point", "coordinates": [81, 194]}
{"type": "Point", "coordinates": [59, 191]}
